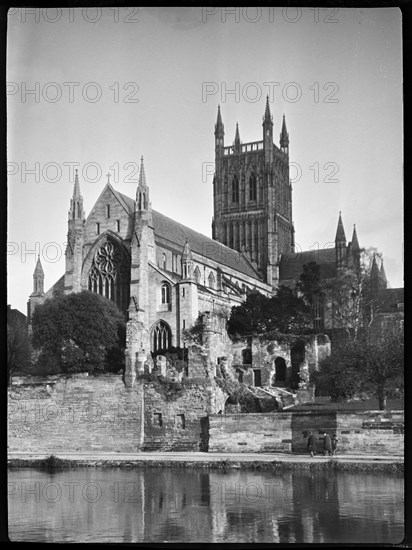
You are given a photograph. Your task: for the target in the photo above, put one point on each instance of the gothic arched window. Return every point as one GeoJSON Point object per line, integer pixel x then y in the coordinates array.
{"type": "Point", "coordinates": [235, 189]}
{"type": "Point", "coordinates": [161, 337]}
{"type": "Point", "coordinates": [164, 261]}
{"type": "Point", "coordinates": [109, 273]}
{"type": "Point", "coordinates": [252, 187]}
{"type": "Point", "coordinates": [197, 275]}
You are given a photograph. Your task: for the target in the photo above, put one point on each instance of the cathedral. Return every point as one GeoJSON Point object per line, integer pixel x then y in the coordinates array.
{"type": "Point", "coordinates": [162, 274]}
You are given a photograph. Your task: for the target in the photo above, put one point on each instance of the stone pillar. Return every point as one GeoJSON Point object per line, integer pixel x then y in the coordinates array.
{"type": "Point", "coordinates": [137, 347]}
{"type": "Point", "coordinates": [130, 373]}
{"type": "Point", "coordinates": [140, 361]}
{"type": "Point", "coordinates": [161, 364]}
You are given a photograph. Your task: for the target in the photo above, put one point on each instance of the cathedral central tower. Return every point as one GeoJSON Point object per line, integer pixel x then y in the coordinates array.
{"type": "Point", "coordinates": [253, 197]}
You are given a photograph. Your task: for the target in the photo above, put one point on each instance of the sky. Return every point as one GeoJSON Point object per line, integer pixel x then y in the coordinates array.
{"type": "Point", "coordinates": [97, 88]}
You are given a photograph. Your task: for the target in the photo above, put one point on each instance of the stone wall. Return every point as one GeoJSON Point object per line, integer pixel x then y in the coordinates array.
{"type": "Point", "coordinates": [180, 423]}
{"type": "Point", "coordinates": [375, 432]}
{"type": "Point", "coordinates": [80, 413]}
{"type": "Point", "coordinates": [250, 433]}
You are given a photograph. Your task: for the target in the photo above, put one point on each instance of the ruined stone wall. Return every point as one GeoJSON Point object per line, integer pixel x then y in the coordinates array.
{"type": "Point", "coordinates": [180, 422]}
{"type": "Point", "coordinates": [52, 414]}
{"type": "Point", "coordinates": [375, 432]}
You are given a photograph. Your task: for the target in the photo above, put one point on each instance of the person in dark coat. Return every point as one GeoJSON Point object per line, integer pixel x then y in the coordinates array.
{"type": "Point", "coordinates": [327, 445]}
{"type": "Point", "coordinates": [334, 443]}
{"type": "Point", "coordinates": [311, 445]}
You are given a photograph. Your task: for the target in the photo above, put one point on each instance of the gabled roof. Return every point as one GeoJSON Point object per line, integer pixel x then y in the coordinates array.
{"type": "Point", "coordinates": [291, 265]}
{"type": "Point", "coordinates": [177, 233]}
{"type": "Point", "coordinates": [172, 277]}
{"type": "Point", "coordinates": [57, 287]}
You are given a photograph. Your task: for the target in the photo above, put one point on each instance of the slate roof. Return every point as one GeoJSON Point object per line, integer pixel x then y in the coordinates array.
{"type": "Point", "coordinates": [291, 265]}
{"type": "Point", "coordinates": [388, 299]}
{"type": "Point", "coordinates": [177, 233]}
{"type": "Point", "coordinates": [57, 287]}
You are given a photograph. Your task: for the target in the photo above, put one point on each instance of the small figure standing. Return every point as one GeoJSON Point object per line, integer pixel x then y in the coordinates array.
{"type": "Point", "coordinates": [327, 445]}
{"type": "Point", "coordinates": [334, 443]}
{"type": "Point", "coordinates": [311, 445]}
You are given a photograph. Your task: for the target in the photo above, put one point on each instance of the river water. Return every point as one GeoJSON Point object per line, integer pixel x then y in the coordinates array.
{"type": "Point", "coordinates": [199, 505]}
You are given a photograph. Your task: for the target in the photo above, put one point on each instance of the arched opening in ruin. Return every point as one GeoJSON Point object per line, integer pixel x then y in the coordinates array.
{"type": "Point", "coordinates": [280, 370]}
{"type": "Point", "coordinates": [297, 357]}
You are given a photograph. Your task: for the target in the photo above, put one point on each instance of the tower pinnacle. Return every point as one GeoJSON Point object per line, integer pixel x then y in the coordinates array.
{"type": "Point", "coordinates": [142, 192]}
{"type": "Point", "coordinates": [340, 232]}
{"type": "Point", "coordinates": [38, 278]}
{"type": "Point", "coordinates": [219, 128]}
{"type": "Point", "coordinates": [268, 117]}
{"type": "Point", "coordinates": [237, 139]}
{"type": "Point", "coordinates": [284, 137]}
{"type": "Point", "coordinates": [76, 211]}
{"type": "Point", "coordinates": [355, 242]}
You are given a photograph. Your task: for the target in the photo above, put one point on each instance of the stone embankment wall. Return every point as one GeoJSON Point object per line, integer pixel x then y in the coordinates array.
{"type": "Point", "coordinates": [80, 413]}
{"type": "Point", "coordinates": [375, 432]}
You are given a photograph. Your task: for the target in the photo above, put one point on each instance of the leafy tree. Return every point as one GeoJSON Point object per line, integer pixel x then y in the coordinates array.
{"type": "Point", "coordinates": [309, 283]}
{"type": "Point", "coordinates": [285, 312]}
{"type": "Point", "coordinates": [194, 334]}
{"type": "Point", "coordinates": [77, 333]}
{"type": "Point", "coordinates": [18, 351]}
{"type": "Point", "coordinates": [373, 363]}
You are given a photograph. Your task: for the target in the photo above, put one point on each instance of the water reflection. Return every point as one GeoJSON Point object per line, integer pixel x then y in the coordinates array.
{"type": "Point", "coordinates": [182, 505]}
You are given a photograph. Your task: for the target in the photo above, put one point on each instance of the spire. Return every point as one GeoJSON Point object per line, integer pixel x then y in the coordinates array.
{"type": "Point", "coordinates": [284, 137]}
{"type": "Point", "coordinates": [219, 128]}
{"type": "Point", "coordinates": [268, 116]}
{"type": "Point", "coordinates": [340, 232]}
{"type": "Point", "coordinates": [383, 274]}
{"type": "Point", "coordinates": [355, 242]}
{"type": "Point", "coordinates": [142, 192]}
{"type": "Point", "coordinates": [76, 190]}
{"type": "Point", "coordinates": [237, 138]}
{"type": "Point", "coordinates": [374, 268]}
{"type": "Point", "coordinates": [38, 278]}
{"type": "Point", "coordinates": [142, 175]}
{"type": "Point", "coordinates": [76, 211]}
{"type": "Point", "coordinates": [38, 271]}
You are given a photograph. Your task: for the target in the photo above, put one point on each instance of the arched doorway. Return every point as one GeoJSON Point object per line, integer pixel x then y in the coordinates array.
{"type": "Point", "coordinates": [161, 337]}
{"type": "Point", "coordinates": [280, 370]}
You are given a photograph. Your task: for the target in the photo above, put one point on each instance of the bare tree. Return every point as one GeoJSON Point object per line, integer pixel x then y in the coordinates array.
{"type": "Point", "coordinates": [350, 295]}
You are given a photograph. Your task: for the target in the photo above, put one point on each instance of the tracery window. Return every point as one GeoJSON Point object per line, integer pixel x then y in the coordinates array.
{"type": "Point", "coordinates": [108, 274]}
{"type": "Point", "coordinates": [161, 337]}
